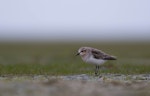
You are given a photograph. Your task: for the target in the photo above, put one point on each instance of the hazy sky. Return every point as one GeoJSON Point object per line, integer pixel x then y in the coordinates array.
{"type": "Point", "coordinates": [75, 19]}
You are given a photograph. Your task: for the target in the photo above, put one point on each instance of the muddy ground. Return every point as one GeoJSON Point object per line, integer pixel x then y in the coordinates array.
{"type": "Point", "coordinates": [75, 85]}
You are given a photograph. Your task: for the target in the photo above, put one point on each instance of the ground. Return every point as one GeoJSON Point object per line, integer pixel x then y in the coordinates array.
{"type": "Point", "coordinates": [75, 85]}
{"type": "Point", "coordinates": [53, 69]}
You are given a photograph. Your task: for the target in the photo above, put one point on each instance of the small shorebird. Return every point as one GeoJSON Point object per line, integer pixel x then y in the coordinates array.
{"type": "Point", "coordinates": [94, 56]}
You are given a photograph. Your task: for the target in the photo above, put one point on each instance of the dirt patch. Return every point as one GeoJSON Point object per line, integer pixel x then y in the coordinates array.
{"type": "Point", "coordinates": [77, 85]}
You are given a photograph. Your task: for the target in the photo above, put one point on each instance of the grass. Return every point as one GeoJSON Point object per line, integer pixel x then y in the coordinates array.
{"type": "Point", "coordinates": [59, 59]}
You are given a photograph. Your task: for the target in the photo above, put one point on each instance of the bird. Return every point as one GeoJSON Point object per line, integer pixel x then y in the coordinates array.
{"type": "Point", "coordinates": [94, 56]}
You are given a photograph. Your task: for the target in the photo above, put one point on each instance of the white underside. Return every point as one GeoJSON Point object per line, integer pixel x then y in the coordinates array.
{"type": "Point", "coordinates": [92, 60]}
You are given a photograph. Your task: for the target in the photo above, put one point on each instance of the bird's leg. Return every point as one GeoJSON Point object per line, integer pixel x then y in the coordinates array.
{"type": "Point", "coordinates": [96, 70]}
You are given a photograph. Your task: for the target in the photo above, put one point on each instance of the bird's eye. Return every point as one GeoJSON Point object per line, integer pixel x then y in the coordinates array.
{"type": "Point", "coordinates": [83, 50]}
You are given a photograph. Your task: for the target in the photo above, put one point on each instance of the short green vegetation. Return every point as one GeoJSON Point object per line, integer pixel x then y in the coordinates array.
{"type": "Point", "coordinates": [60, 59]}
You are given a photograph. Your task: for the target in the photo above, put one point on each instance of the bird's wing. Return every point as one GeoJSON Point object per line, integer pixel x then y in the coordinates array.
{"type": "Point", "coordinates": [98, 54]}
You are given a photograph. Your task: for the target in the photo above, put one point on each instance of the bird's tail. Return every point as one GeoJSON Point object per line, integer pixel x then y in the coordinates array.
{"type": "Point", "coordinates": [110, 58]}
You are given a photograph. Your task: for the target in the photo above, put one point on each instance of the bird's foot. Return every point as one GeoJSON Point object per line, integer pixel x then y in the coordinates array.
{"type": "Point", "coordinates": [96, 74]}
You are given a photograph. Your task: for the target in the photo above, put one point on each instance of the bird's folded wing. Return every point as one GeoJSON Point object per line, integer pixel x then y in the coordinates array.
{"type": "Point", "coordinates": [98, 54]}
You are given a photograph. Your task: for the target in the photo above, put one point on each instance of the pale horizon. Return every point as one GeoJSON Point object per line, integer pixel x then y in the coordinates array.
{"type": "Point", "coordinates": [48, 20]}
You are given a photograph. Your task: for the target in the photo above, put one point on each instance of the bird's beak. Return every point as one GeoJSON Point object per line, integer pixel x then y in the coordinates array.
{"type": "Point", "coordinates": [77, 54]}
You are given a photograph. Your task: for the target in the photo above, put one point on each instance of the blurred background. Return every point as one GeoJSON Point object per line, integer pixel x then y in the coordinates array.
{"type": "Point", "coordinates": [48, 31]}
{"type": "Point", "coordinates": [80, 20]}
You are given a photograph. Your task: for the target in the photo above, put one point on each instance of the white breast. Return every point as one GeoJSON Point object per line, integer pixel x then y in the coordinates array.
{"type": "Point", "coordinates": [92, 60]}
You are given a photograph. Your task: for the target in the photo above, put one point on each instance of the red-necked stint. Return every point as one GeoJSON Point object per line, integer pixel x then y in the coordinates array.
{"type": "Point", "coordinates": [94, 56]}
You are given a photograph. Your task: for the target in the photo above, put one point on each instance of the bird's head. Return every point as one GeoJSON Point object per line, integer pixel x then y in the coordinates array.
{"type": "Point", "coordinates": [82, 51]}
